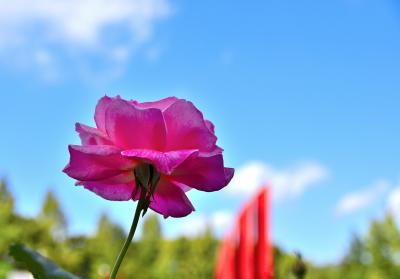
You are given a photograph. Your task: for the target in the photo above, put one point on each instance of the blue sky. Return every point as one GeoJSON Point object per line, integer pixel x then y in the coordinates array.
{"type": "Point", "coordinates": [304, 94]}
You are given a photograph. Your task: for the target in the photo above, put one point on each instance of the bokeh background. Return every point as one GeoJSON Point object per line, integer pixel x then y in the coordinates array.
{"type": "Point", "coordinates": [305, 97]}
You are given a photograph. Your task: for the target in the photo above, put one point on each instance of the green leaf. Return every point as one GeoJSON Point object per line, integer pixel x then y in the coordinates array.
{"type": "Point", "coordinates": [39, 266]}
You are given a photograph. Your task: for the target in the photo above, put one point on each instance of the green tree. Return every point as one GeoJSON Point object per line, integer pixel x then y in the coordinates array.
{"type": "Point", "coordinates": [53, 218]}
{"type": "Point", "coordinates": [6, 200]}
{"type": "Point", "coordinates": [104, 247]}
{"type": "Point", "coordinates": [203, 258]}
{"type": "Point", "coordinates": [189, 257]}
{"type": "Point", "coordinates": [282, 263]}
{"type": "Point", "coordinates": [382, 243]}
{"type": "Point", "coordinates": [149, 247]}
{"type": "Point", "coordinates": [354, 264]}
{"type": "Point", "coordinates": [8, 232]}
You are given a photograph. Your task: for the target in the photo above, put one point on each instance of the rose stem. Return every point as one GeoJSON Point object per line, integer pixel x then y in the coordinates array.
{"type": "Point", "coordinates": [127, 241]}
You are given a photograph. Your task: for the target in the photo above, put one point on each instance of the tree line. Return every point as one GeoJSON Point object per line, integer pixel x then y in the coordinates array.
{"type": "Point", "coordinates": [375, 255]}
{"type": "Point", "coordinates": [91, 256]}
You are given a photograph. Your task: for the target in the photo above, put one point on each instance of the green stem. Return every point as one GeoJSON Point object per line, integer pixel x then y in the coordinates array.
{"type": "Point", "coordinates": [127, 241]}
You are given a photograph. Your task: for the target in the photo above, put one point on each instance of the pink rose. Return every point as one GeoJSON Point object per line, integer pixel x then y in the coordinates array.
{"type": "Point", "coordinates": [169, 135]}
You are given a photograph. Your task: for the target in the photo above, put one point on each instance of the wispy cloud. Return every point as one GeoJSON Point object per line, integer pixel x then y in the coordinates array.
{"type": "Point", "coordinates": [78, 30]}
{"type": "Point", "coordinates": [356, 201]}
{"type": "Point", "coordinates": [153, 53]}
{"type": "Point", "coordinates": [46, 64]}
{"type": "Point", "coordinates": [196, 224]}
{"type": "Point", "coordinates": [285, 183]}
{"type": "Point", "coordinates": [79, 22]}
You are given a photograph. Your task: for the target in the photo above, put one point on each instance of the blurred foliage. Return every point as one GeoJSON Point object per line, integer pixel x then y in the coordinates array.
{"type": "Point", "coordinates": [92, 256]}
{"type": "Point", "coordinates": [373, 256]}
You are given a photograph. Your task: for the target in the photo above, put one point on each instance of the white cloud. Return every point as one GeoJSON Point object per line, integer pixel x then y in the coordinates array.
{"type": "Point", "coordinates": [120, 53]}
{"type": "Point", "coordinates": [87, 38]}
{"type": "Point", "coordinates": [394, 203]}
{"type": "Point", "coordinates": [196, 224]}
{"type": "Point", "coordinates": [285, 183]}
{"type": "Point", "coordinates": [45, 62]}
{"type": "Point", "coordinates": [221, 220]}
{"type": "Point", "coordinates": [356, 201]}
{"type": "Point", "coordinates": [153, 53]}
{"type": "Point", "coordinates": [43, 58]}
{"type": "Point", "coordinates": [80, 21]}
{"type": "Point", "coordinates": [193, 225]}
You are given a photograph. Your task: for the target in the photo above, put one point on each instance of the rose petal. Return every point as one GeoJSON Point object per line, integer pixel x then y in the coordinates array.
{"type": "Point", "coordinates": [165, 162]}
{"type": "Point", "coordinates": [210, 126]}
{"type": "Point", "coordinates": [96, 162]}
{"type": "Point", "coordinates": [205, 172]}
{"type": "Point", "coordinates": [91, 136]}
{"type": "Point", "coordinates": [161, 104]}
{"type": "Point", "coordinates": [121, 178]}
{"type": "Point", "coordinates": [100, 113]}
{"type": "Point", "coordinates": [186, 128]}
{"type": "Point", "coordinates": [113, 192]}
{"type": "Point", "coordinates": [170, 200]}
{"type": "Point", "coordinates": [130, 127]}
{"type": "Point", "coordinates": [229, 172]}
